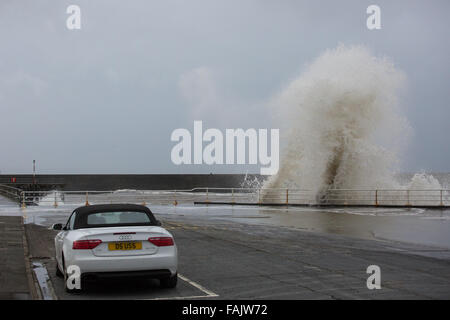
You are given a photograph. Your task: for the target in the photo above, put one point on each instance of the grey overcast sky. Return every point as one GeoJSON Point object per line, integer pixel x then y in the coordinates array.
{"type": "Point", "coordinates": [105, 99]}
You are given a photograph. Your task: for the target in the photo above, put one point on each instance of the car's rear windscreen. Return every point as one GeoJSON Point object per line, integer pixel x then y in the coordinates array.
{"type": "Point", "coordinates": [115, 218]}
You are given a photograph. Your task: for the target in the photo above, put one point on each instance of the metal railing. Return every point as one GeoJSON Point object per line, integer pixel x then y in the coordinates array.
{"type": "Point", "coordinates": [10, 192]}
{"type": "Point", "coordinates": [264, 196]}
{"type": "Point", "coordinates": [332, 197]}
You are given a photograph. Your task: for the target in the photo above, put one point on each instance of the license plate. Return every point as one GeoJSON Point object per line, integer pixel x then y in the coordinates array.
{"type": "Point", "coordinates": [136, 245]}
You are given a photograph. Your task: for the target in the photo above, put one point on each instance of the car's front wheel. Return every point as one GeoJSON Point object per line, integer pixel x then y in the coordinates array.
{"type": "Point", "coordinates": [169, 282]}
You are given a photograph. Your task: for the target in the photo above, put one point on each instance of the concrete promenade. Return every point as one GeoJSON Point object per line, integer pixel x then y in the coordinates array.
{"type": "Point", "coordinates": [14, 273]}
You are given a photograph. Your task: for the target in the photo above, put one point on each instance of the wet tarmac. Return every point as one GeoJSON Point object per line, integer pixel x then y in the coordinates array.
{"type": "Point", "coordinates": [231, 260]}
{"type": "Point", "coordinates": [410, 225]}
{"type": "Point", "coordinates": [279, 253]}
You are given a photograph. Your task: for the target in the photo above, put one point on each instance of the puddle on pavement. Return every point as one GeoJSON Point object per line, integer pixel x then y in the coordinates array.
{"type": "Point", "coordinates": [43, 279]}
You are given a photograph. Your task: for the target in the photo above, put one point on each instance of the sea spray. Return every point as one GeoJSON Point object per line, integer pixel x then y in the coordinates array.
{"type": "Point", "coordinates": [423, 181]}
{"type": "Point", "coordinates": [252, 182]}
{"type": "Point", "coordinates": [342, 124]}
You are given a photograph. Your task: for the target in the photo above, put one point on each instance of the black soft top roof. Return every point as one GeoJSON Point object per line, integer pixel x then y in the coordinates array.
{"type": "Point", "coordinates": [83, 212]}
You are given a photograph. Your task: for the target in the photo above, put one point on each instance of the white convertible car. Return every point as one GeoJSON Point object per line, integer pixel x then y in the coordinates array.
{"type": "Point", "coordinates": [115, 240]}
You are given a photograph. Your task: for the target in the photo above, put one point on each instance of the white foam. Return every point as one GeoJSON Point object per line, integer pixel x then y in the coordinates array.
{"type": "Point", "coordinates": [343, 125]}
{"type": "Point", "coordinates": [51, 199]}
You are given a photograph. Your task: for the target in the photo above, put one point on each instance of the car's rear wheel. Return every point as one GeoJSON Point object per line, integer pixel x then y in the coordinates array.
{"type": "Point", "coordinates": [169, 282]}
{"type": "Point", "coordinates": [66, 287]}
{"type": "Point", "coordinates": [59, 274]}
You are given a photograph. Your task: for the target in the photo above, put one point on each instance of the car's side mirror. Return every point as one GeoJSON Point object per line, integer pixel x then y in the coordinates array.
{"type": "Point", "coordinates": [57, 226]}
{"type": "Point", "coordinates": [158, 223]}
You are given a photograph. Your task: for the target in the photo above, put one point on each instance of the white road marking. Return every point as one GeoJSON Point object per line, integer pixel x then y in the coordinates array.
{"type": "Point", "coordinates": [209, 294]}
{"type": "Point", "coordinates": [198, 286]}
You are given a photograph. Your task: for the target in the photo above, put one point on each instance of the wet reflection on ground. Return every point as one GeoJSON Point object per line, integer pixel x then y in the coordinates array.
{"type": "Point", "coordinates": [413, 225]}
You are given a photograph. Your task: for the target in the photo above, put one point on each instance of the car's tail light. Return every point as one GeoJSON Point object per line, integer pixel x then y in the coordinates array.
{"type": "Point", "coordinates": [86, 244]}
{"type": "Point", "coordinates": [161, 241]}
